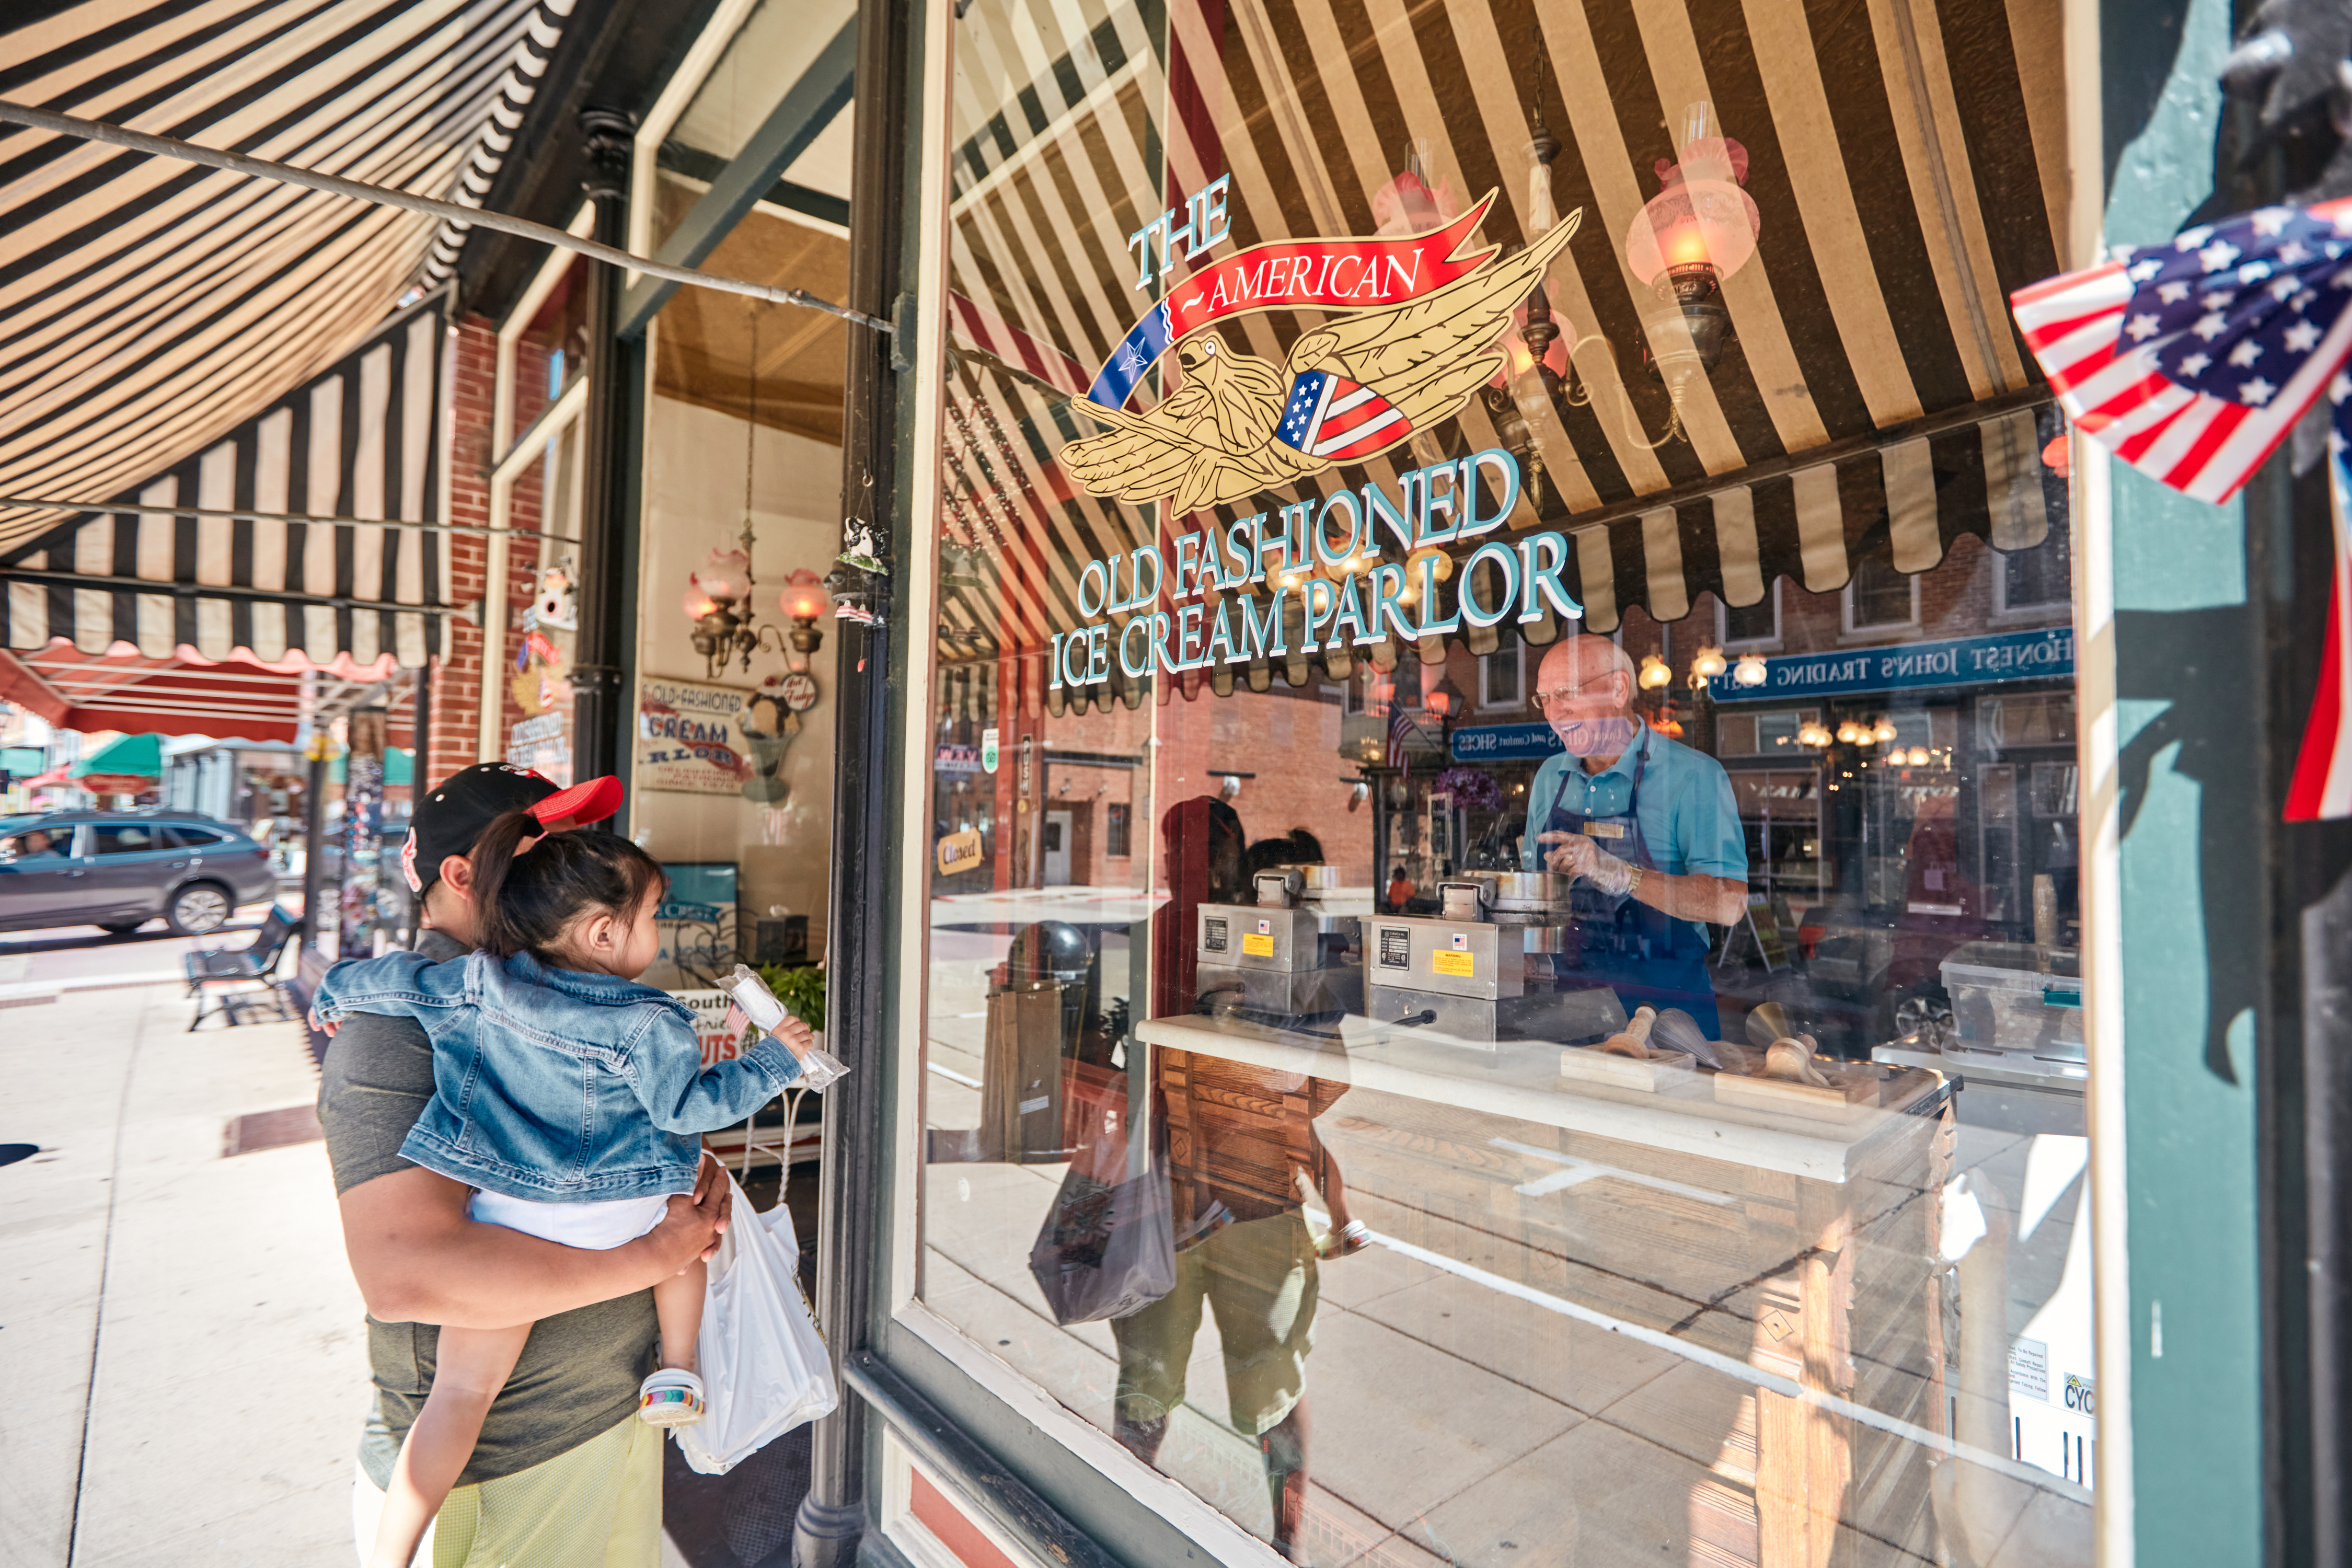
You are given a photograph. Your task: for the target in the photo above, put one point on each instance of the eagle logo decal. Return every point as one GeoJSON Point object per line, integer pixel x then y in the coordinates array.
{"type": "Point", "coordinates": [1352, 387]}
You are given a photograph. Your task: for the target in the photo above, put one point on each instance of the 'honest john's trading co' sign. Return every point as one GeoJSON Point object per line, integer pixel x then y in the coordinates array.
{"type": "Point", "coordinates": [1964, 661]}
{"type": "Point", "coordinates": [1406, 333]}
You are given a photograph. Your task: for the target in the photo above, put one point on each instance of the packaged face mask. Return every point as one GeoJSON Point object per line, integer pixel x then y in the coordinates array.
{"type": "Point", "coordinates": [818, 1069]}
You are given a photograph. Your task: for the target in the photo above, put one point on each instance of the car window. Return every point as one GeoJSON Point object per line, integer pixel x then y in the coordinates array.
{"type": "Point", "coordinates": [126, 839]}
{"type": "Point", "coordinates": [187, 837]}
{"type": "Point", "coordinates": [37, 844]}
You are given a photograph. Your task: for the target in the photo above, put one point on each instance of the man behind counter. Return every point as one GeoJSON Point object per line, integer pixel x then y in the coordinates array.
{"type": "Point", "coordinates": [1647, 826]}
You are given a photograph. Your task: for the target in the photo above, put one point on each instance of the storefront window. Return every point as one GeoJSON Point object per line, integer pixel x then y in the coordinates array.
{"type": "Point", "coordinates": [757, 58]}
{"type": "Point", "coordinates": [1504, 747]}
{"type": "Point", "coordinates": [734, 708]}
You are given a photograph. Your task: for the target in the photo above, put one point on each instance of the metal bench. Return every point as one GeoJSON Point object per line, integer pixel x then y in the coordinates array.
{"type": "Point", "coordinates": [230, 982]}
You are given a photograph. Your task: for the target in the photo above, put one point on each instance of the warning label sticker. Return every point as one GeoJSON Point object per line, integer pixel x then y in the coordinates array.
{"type": "Point", "coordinates": [1445, 962]}
{"type": "Point", "coordinates": [1258, 945]}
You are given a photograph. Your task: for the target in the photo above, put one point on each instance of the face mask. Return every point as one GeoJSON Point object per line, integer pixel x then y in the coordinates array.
{"type": "Point", "coordinates": [1597, 737]}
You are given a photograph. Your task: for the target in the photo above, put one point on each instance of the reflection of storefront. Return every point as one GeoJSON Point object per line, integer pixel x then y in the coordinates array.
{"type": "Point", "coordinates": [1332, 675]}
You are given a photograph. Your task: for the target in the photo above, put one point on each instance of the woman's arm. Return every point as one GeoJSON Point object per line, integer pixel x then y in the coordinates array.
{"type": "Point", "coordinates": [419, 1258]}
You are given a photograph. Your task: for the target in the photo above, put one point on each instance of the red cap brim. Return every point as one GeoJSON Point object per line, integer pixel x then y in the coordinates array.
{"type": "Point", "coordinates": [592, 801]}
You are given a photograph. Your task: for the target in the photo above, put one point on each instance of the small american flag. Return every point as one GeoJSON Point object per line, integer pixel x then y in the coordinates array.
{"type": "Point", "coordinates": [2191, 361]}
{"type": "Point", "coordinates": [2321, 789]}
{"type": "Point", "coordinates": [1399, 729]}
{"type": "Point", "coordinates": [1332, 417]}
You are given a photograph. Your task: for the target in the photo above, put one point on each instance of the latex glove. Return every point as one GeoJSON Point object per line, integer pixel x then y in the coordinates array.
{"type": "Point", "coordinates": [1579, 855]}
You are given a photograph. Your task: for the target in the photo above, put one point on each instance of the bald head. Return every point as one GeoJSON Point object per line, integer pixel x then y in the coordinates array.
{"type": "Point", "coordinates": [1579, 663]}
{"type": "Point", "coordinates": [1585, 687]}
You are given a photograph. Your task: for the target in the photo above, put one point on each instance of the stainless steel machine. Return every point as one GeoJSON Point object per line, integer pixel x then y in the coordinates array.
{"type": "Point", "coordinates": [1284, 956]}
{"type": "Point", "coordinates": [1496, 962]}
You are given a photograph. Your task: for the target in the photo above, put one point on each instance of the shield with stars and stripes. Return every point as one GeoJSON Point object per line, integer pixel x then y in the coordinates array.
{"type": "Point", "coordinates": [1332, 417]}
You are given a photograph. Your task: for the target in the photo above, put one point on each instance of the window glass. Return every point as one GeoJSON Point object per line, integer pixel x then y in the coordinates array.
{"type": "Point", "coordinates": [126, 839]}
{"type": "Point", "coordinates": [776, 63]}
{"type": "Point", "coordinates": [1758, 624]}
{"type": "Point", "coordinates": [186, 837]}
{"type": "Point", "coordinates": [550, 352]}
{"type": "Point", "coordinates": [2040, 577]}
{"type": "Point", "coordinates": [1498, 678]}
{"type": "Point", "coordinates": [39, 843]}
{"type": "Point", "coordinates": [1434, 1040]}
{"type": "Point", "coordinates": [1879, 596]}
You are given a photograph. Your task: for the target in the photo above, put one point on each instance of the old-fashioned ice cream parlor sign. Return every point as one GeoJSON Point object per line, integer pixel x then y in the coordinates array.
{"type": "Point", "coordinates": [1409, 333]}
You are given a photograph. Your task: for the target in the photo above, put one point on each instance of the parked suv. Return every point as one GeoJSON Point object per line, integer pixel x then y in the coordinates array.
{"type": "Point", "coordinates": [119, 869]}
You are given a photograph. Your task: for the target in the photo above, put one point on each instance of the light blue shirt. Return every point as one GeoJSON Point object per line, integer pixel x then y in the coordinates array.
{"type": "Point", "coordinates": [1689, 820]}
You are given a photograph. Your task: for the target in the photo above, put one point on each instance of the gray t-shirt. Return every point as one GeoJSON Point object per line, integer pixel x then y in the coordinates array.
{"type": "Point", "coordinates": [578, 1375]}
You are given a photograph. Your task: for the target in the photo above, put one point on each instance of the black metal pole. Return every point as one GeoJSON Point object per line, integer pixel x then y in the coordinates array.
{"type": "Point", "coordinates": [860, 1011]}
{"type": "Point", "coordinates": [314, 847]}
{"type": "Point", "coordinates": [605, 464]}
{"type": "Point", "coordinates": [420, 731]}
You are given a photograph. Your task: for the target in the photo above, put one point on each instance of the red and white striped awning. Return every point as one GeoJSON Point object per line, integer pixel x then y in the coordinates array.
{"type": "Point", "coordinates": [182, 693]}
{"type": "Point", "coordinates": [159, 313]}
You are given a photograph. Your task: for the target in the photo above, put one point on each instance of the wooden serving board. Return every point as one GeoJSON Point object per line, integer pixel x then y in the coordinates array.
{"type": "Point", "coordinates": [1848, 1096]}
{"type": "Point", "coordinates": [1663, 1070]}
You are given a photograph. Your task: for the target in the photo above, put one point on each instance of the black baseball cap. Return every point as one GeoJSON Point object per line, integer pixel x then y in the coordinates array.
{"type": "Point", "coordinates": [456, 812]}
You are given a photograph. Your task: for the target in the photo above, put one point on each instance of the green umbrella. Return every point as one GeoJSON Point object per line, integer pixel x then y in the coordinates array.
{"type": "Point", "coordinates": [399, 767]}
{"type": "Point", "coordinates": [138, 756]}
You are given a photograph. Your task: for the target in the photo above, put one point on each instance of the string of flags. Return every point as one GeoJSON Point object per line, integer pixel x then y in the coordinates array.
{"type": "Point", "coordinates": [2191, 361]}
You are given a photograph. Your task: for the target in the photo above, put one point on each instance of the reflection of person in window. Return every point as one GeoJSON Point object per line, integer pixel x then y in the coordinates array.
{"type": "Point", "coordinates": [33, 846]}
{"type": "Point", "coordinates": [1247, 1255]}
{"type": "Point", "coordinates": [1646, 825]}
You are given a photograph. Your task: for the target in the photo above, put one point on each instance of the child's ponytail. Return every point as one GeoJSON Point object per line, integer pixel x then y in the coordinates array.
{"type": "Point", "coordinates": [530, 884]}
{"type": "Point", "coordinates": [494, 859]}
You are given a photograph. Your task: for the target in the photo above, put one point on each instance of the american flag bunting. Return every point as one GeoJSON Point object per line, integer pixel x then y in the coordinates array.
{"type": "Point", "coordinates": [2191, 360]}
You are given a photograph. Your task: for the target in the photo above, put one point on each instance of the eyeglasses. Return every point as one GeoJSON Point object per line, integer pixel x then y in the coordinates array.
{"type": "Point", "coordinates": [1562, 698]}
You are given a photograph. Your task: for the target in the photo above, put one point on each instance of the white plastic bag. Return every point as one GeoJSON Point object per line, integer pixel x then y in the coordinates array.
{"type": "Point", "coordinates": [764, 1371]}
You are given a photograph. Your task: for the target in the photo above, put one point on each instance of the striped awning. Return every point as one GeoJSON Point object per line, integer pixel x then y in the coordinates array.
{"type": "Point", "coordinates": [1908, 168]}
{"type": "Point", "coordinates": [153, 308]}
{"type": "Point", "coordinates": [169, 566]}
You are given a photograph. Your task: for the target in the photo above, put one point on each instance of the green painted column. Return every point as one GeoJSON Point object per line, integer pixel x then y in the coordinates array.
{"type": "Point", "coordinates": [2191, 826]}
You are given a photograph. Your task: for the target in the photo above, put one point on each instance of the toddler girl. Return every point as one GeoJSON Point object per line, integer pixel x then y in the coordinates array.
{"type": "Point", "coordinates": [569, 1097]}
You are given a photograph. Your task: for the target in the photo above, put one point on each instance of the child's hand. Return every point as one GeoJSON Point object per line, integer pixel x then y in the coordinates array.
{"type": "Point", "coordinates": [798, 1037]}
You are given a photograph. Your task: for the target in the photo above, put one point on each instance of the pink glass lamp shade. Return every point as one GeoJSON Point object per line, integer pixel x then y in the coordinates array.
{"type": "Point", "coordinates": [804, 598]}
{"type": "Point", "coordinates": [726, 575]}
{"type": "Point", "coordinates": [1694, 233]}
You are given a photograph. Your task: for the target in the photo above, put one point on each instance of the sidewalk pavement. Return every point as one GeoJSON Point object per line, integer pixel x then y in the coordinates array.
{"type": "Point", "coordinates": [181, 1367]}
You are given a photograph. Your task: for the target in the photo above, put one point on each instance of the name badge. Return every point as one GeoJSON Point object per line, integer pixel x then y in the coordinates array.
{"type": "Point", "coordinates": [1604, 830]}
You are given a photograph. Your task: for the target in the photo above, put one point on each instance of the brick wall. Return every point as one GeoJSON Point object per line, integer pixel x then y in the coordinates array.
{"type": "Point", "coordinates": [457, 676]}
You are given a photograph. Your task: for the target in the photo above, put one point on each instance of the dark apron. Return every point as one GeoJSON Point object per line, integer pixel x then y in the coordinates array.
{"type": "Point", "coordinates": [1643, 954]}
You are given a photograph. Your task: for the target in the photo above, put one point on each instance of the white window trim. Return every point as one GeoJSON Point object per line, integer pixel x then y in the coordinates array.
{"type": "Point", "coordinates": [1877, 628]}
{"type": "Point", "coordinates": [915, 1539]}
{"type": "Point", "coordinates": [519, 319]}
{"type": "Point", "coordinates": [1219, 1538]}
{"type": "Point", "coordinates": [669, 108]}
{"type": "Point", "coordinates": [561, 415]}
{"type": "Point", "coordinates": [1517, 656]}
{"type": "Point", "coordinates": [1751, 644]}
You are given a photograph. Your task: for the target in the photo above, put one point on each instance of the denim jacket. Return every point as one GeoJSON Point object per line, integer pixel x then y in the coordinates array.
{"type": "Point", "coordinates": [555, 1085]}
